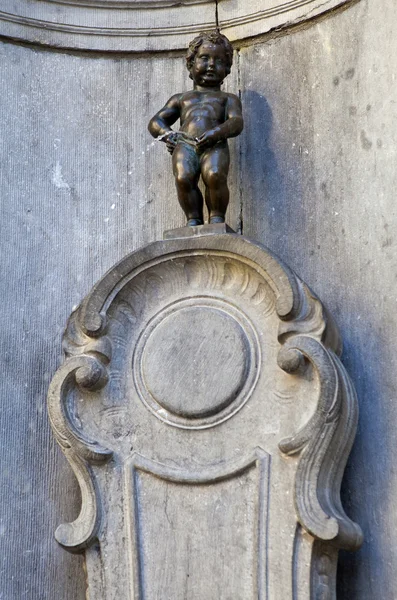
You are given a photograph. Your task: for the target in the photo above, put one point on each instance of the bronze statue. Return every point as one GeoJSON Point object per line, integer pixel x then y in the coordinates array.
{"type": "Point", "coordinates": [208, 117]}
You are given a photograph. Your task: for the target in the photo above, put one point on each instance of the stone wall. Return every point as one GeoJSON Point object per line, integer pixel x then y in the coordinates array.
{"type": "Point", "coordinates": [314, 179]}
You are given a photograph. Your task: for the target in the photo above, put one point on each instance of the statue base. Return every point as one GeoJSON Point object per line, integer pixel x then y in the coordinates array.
{"type": "Point", "coordinates": [206, 229]}
{"type": "Point", "coordinates": [207, 416]}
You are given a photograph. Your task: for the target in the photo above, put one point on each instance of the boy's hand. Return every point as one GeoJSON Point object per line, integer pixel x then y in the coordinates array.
{"type": "Point", "coordinates": [208, 139]}
{"type": "Point", "coordinates": [171, 140]}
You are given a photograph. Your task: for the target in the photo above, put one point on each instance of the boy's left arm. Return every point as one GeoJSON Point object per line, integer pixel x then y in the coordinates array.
{"type": "Point", "coordinates": [232, 126]}
{"type": "Point", "coordinates": [234, 123]}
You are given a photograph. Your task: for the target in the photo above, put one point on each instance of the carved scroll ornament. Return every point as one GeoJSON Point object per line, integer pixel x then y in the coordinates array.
{"type": "Point", "coordinates": [207, 416]}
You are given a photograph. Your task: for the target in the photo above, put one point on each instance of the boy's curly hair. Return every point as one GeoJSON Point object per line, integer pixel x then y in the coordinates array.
{"type": "Point", "coordinates": [215, 38]}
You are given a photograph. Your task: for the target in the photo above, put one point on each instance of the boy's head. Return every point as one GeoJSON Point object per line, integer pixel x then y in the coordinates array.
{"type": "Point", "coordinates": [210, 39]}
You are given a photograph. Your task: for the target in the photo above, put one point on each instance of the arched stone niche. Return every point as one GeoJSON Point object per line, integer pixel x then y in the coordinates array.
{"type": "Point", "coordinates": [146, 25]}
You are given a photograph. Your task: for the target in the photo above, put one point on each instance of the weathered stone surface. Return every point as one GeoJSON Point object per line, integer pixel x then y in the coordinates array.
{"type": "Point", "coordinates": [239, 20]}
{"type": "Point", "coordinates": [145, 25]}
{"type": "Point", "coordinates": [73, 127]}
{"type": "Point", "coordinates": [321, 122]}
{"type": "Point", "coordinates": [107, 25]}
{"type": "Point", "coordinates": [208, 419]}
{"type": "Point", "coordinates": [73, 158]}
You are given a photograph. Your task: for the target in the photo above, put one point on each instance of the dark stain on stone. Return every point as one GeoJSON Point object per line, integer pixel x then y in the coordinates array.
{"type": "Point", "coordinates": [336, 81]}
{"type": "Point", "coordinates": [325, 191]}
{"type": "Point", "coordinates": [365, 142]}
{"type": "Point", "coordinates": [369, 107]}
{"type": "Point", "coordinates": [379, 143]}
{"type": "Point", "coordinates": [388, 242]}
{"type": "Point", "coordinates": [352, 110]}
{"type": "Point", "coordinates": [350, 73]}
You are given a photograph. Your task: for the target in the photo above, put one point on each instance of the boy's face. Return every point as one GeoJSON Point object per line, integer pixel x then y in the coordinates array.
{"type": "Point", "coordinates": [209, 67]}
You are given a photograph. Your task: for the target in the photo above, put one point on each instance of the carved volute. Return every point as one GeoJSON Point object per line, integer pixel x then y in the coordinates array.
{"type": "Point", "coordinates": [207, 416]}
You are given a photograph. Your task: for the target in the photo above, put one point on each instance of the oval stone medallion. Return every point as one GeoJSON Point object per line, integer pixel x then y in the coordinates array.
{"type": "Point", "coordinates": [194, 363]}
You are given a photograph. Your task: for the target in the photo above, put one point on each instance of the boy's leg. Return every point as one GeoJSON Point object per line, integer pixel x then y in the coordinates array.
{"type": "Point", "coordinates": [186, 168]}
{"type": "Point", "coordinates": [214, 170]}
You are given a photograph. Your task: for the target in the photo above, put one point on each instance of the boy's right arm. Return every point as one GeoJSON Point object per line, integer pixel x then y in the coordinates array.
{"type": "Point", "coordinates": [161, 123]}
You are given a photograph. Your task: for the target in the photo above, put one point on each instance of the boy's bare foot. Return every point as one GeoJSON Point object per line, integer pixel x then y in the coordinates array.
{"type": "Point", "coordinates": [194, 222]}
{"type": "Point", "coordinates": [217, 219]}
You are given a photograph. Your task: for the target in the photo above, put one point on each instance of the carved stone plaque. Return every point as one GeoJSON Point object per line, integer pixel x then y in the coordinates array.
{"type": "Point", "coordinates": [208, 419]}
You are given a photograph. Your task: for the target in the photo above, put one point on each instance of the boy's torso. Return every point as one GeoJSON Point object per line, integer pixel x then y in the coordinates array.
{"type": "Point", "coordinates": [201, 111]}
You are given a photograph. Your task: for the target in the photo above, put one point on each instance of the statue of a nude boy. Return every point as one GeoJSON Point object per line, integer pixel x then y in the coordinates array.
{"type": "Point", "coordinates": [208, 117]}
